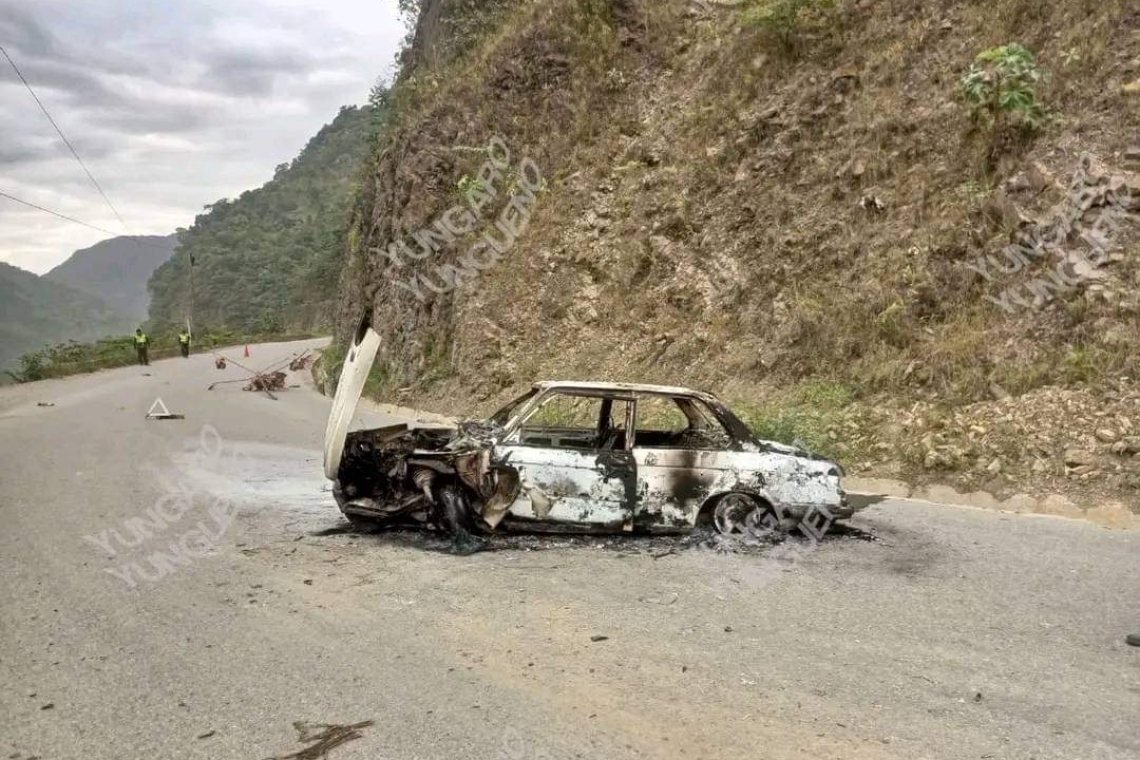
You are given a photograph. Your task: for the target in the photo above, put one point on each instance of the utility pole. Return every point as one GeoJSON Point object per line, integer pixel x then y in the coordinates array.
{"type": "Point", "coordinates": [190, 316]}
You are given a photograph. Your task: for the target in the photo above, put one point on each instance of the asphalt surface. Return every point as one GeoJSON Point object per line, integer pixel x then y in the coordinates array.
{"type": "Point", "coordinates": [926, 632]}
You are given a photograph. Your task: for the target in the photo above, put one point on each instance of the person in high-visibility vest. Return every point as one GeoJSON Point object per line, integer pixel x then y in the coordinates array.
{"type": "Point", "coordinates": [184, 343]}
{"type": "Point", "coordinates": [141, 343]}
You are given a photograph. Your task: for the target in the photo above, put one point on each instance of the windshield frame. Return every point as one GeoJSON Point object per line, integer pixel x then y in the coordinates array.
{"type": "Point", "coordinates": [511, 410]}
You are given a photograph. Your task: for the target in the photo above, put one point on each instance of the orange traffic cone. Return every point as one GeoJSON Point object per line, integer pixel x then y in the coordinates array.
{"type": "Point", "coordinates": [246, 350]}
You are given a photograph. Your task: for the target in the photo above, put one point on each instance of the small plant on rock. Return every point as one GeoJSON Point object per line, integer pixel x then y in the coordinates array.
{"type": "Point", "coordinates": [1001, 88]}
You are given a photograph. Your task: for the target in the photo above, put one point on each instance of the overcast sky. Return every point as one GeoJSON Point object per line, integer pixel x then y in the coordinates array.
{"type": "Point", "coordinates": [172, 104]}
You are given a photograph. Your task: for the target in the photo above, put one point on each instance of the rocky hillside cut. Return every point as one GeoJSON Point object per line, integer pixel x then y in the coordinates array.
{"type": "Point", "coordinates": [801, 205]}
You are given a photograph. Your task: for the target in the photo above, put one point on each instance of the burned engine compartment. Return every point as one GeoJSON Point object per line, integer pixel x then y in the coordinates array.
{"type": "Point", "coordinates": [438, 478]}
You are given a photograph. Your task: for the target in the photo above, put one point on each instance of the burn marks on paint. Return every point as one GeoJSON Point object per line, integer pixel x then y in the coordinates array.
{"type": "Point", "coordinates": [620, 466]}
{"type": "Point", "coordinates": [652, 481]}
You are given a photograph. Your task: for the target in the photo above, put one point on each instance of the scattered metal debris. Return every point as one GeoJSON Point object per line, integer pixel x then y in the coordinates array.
{"type": "Point", "coordinates": [265, 380]}
{"type": "Point", "coordinates": [45, 403]}
{"type": "Point", "coordinates": [322, 738]}
{"type": "Point", "coordinates": [301, 362]}
{"type": "Point", "coordinates": [269, 381]}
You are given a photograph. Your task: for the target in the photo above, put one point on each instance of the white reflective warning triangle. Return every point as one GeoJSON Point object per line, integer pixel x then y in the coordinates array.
{"type": "Point", "coordinates": [158, 411]}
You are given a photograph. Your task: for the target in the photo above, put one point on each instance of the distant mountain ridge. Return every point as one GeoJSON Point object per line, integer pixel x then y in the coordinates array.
{"type": "Point", "coordinates": [117, 270]}
{"type": "Point", "coordinates": [36, 312]}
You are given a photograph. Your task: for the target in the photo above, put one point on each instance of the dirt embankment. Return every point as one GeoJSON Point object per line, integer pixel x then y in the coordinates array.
{"type": "Point", "coordinates": [808, 220]}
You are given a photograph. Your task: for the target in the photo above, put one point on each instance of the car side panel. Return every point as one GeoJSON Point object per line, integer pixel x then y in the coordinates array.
{"type": "Point", "coordinates": [568, 486]}
{"type": "Point", "coordinates": [794, 482]}
{"type": "Point", "coordinates": [674, 483]}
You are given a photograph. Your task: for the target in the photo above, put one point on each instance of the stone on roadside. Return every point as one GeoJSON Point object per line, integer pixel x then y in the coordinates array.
{"type": "Point", "coordinates": [1079, 458]}
{"type": "Point", "coordinates": [1106, 435]}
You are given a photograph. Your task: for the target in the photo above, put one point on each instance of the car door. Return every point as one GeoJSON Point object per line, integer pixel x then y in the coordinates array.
{"type": "Point", "coordinates": [682, 455]}
{"type": "Point", "coordinates": [574, 464]}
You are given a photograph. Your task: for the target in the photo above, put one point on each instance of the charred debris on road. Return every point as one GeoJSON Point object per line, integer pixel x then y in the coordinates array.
{"type": "Point", "coordinates": [268, 380]}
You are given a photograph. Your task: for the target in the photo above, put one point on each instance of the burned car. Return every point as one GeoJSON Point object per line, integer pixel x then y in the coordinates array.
{"type": "Point", "coordinates": [582, 457]}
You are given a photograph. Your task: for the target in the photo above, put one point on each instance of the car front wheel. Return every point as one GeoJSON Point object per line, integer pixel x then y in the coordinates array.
{"type": "Point", "coordinates": [739, 514]}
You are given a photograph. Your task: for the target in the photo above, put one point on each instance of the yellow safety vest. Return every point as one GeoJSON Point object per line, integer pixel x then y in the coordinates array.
{"type": "Point", "coordinates": [141, 340]}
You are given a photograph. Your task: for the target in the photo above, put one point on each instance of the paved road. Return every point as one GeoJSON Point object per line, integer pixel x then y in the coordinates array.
{"type": "Point", "coordinates": [931, 632]}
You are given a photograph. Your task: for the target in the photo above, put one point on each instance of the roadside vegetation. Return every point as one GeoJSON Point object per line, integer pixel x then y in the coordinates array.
{"type": "Point", "coordinates": [785, 20]}
{"type": "Point", "coordinates": [75, 358]}
{"type": "Point", "coordinates": [812, 416]}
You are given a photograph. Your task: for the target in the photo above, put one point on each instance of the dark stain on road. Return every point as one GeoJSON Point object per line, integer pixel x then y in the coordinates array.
{"type": "Point", "coordinates": [660, 546]}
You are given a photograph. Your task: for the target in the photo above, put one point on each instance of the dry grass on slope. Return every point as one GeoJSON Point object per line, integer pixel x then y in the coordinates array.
{"type": "Point", "coordinates": [763, 214]}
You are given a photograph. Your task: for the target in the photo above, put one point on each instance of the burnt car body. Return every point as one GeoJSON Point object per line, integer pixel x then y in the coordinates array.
{"type": "Point", "coordinates": [573, 457]}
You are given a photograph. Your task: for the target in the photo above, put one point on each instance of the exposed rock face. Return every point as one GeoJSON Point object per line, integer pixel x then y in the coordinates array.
{"type": "Point", "coordinates": [717, 212]}
{"type": "Point", "coordinates": [458, 180]}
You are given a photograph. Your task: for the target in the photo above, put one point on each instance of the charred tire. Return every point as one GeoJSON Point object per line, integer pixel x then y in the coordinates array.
{"type": "Point", "coordinates": [733, 513]}
{"type": "Point", "coordinates": [455, 517]}
{"type": "Point", "coordinates": [455, 510]}
{"type": "Point", "coordinates": [741, 513]}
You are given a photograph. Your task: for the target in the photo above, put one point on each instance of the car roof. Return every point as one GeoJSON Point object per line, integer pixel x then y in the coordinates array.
{"type": "Point", "coordinates": [667, 390]}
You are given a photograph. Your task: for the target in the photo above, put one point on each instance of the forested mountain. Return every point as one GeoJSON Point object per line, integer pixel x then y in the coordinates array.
{"type": "Point", "coordinates": [117, 270]}
{"type": "Point", "coordinates": [35, 312]}
{"type": "Point", "coordinates": [266, 261]}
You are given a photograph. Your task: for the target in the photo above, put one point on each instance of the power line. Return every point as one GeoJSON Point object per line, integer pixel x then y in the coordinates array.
{"type": "Point", "coordinates": [74, 220]}
{"type": "Point", "coordinates": [66, 142]}
{"type": "Point", "coordinates": [55, 213]}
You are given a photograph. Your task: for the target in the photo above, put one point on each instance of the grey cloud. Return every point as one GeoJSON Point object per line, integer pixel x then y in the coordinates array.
{"type": "Point", "coordinates": [173, 104]}
{"type": "Point", "coordinates": [20, 149]}
{"type": "Point", "coordinates": [12, 153]}
{"type": "Point", "coordinates": [21, 31]}
{"type": "Point", "coordinates": [140, 117]}
{"type": "Point", "coordinates": [250, 72]}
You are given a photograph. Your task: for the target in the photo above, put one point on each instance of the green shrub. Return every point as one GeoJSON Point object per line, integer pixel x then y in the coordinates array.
{"type": "Point", "coordinates": [1085, 364]}
{"type": "Point", "coordinates": [32, 366]}
{"type": "Point", "coordinates": [824, 395]}
{"type": "Point", "coordinates": [790, 424]}
{"type": "Point", "coordinates": [782, 18]}
{"type": "Point", "coordinates": [1001, 88]}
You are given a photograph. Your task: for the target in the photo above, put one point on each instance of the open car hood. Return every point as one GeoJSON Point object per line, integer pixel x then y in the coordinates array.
{"type": "Point", "coordinates": [357, 365]}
